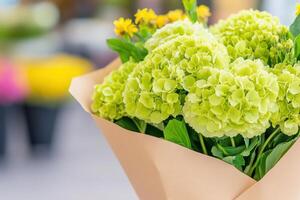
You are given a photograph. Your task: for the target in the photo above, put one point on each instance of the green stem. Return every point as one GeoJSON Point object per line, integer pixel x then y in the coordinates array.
{"type": "Point", "coordinates": [262, 149]}
{"type": "Point", "coordinates": [232, 141]}
{"type": "Point", "coordinates": [203, 144]}
{"type": "Point", "coordinates": [247, 169]}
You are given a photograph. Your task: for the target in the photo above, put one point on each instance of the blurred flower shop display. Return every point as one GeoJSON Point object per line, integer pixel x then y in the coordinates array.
{"type": "Point", "coordinates": [48, 81]}
{"type": "Point", "coordinates": [22, 22]}
{"type": "Point", "coordinates": [37, 86]}
{"type": "Point", "coordinates": [13, 89]}
{"type": "Point", "coordinates": [40, 88]}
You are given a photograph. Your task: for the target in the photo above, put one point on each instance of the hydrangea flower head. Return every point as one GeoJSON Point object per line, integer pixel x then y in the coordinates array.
{"type": "Point", "coordinates": [174, 30]}
{"type": "Point", "coordinates": [157, 87]}
{"type": "Point", "coordinates": [239, 100]}
{"type": "Point", "coordinates": [107, 97]}
{"type": "Point", "coordinates": [255, 35]}
{"type": "Point", "coordinates": [288, 115]}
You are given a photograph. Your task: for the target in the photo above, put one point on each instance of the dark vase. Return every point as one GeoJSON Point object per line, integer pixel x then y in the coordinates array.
{"type": "Point", "coordinates": [41, 121]}
{"type": "Point", "coordinates": [2, 131]}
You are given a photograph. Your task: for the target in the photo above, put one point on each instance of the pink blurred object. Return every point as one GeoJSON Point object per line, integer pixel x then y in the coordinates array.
{"type": "Point", "coordinates": [12, 83]}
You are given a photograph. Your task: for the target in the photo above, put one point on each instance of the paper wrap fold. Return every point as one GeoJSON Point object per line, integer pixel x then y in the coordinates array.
{"type": "Point", "coordinates": [161, 170]}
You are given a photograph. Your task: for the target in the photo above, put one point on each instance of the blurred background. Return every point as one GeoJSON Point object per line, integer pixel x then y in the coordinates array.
{"type": "Point", "coordinates": [49, 147]}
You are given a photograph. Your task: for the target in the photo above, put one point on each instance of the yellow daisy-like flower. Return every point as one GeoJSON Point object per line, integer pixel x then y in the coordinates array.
{"type": "Point", "coordinates": [175, 15]}
{"type": "Point", "coordinates": [125, 26]}
{"type": "Point", "coordinates": [161, 20]}
{"type": "Point", "coordinates": [203, 12]}
{"type": "Point", "coordinates": [145, 16]}
{"type": "Point", "coordinates": [298, 9]}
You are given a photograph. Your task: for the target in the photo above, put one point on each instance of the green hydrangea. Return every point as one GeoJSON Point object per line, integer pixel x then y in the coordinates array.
{"type": "Point", "coordinates": [255, 35]}
{"type": "Point", "coordinates": [239, 100]}
{"type": "Point", "coordinates": [157, 87]}
{"type": "Point", "coordinates": [288, 115]}
{"type": "Point", "coordinates": [107, 97]}
{"type": "Point", "coordinates": [174, 30]}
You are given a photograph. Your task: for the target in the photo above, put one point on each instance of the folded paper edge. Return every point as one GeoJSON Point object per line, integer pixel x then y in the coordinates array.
{"type": "Point", "coordinates": [281, 182]}
{"type": "Point", "coordinates": [79, 90]}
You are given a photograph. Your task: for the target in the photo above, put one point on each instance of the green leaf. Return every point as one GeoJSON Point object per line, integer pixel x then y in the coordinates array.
{"type": "Point", "coordinates": [176, 132]}
{"type": "Point", "coordinates": [194, 138]}
{"type": "Point", "coordinates": [254, 142]}
{"type": "Point", "coordinates": [297, 47]}
{"type": "Point", "coordinates": [246, 140]}
{"type": "Point", "coordinates": [153, 131]}
{"type": "Point", "coordinates": [127, 49]}
{"type": "Point", "coordinates": [190, 7]}
{"type": "Point", "coordinates": [295, 27]}
{"type": "Point", "coordinates": [269, 158]}
{"type": "Point", "coordinates": [140, 124]}
{"type": "Point", "coordinates": [231, 151]}
{"type": "Point", "coordinates": [127, 123]}
{"type": "Point", "coordinates": [237, 161]}
{"type": "Point", "coordinates": [216, 152]}
{"type": "Point", "coordinates": [276, 154]}
{"type": "Point", "coordinates": [280, 138]}
{"type": "Point", "coordinates": [145, 33]}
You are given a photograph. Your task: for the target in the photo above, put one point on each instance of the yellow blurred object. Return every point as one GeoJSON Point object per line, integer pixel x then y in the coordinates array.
{"type": "Point", "coordinates": [145, 16]}
{"type": "Point", "coordinates": [49, 79]}
{"type": "Point", "coordinates": [203, 11]}
{"type": "Point", "coordinates": [161, 20]}
{"type": "Point", "coordinates": [298, 9]}
{"type": "Point", "coordinates": [175, 15]}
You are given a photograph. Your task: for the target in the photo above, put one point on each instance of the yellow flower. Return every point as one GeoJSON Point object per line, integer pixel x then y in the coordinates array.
{"type": "Point", "coordinates": [161, 20]}
{"type": "Point", "coordinates": [175, 15]}
{"type": "Point", "coordinates": [145, 16]}
{"type": "Point", "coordinates": [298, 9]}
{"type": "Point", "coordinates": [124, 26]}
{"type": "Point", "coordinates": [203, 12]}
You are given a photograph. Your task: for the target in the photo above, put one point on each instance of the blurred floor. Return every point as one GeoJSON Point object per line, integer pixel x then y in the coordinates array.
{"type": "Point", "coordinates": [81, 167]}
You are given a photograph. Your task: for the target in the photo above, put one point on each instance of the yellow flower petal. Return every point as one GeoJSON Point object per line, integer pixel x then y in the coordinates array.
{"type": "Point", "coordinates": [298, 9]}
{"type": "Point", "coordinates": [175, 15]}
{"type": "Point", "coordinates": [125, 26]}
{"type": "Point", "coordinates": [203, 11]}
{"type": "Point", "coordinates": [161, 20]}
{"type": "Point", "coordinates": [145, 16]}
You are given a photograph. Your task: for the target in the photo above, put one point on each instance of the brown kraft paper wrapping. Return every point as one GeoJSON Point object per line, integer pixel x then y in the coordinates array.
{"type": "Point", "coordinates": [161, 170]}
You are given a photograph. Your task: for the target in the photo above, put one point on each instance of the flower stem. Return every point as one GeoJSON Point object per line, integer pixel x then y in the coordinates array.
{"type": "Point", "coordinates": [203, 144]}
{"type": "Point", "coordinates": [232, 141]}
{"type": "Point", "coordinates": [263, 148]}
{"type": "Point", "coordinates": [247, 169]}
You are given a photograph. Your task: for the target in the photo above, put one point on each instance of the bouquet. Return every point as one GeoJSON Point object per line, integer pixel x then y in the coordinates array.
{"type": "Point", "coordinates": [228, 92]}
